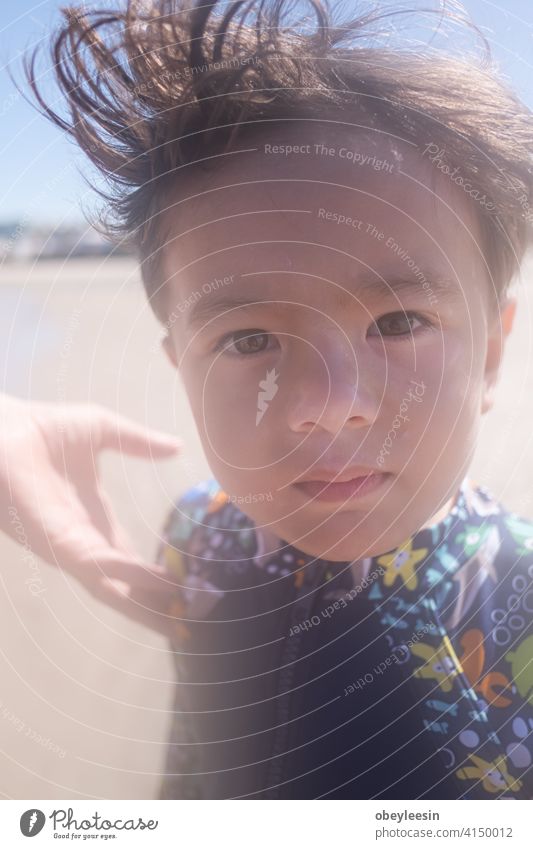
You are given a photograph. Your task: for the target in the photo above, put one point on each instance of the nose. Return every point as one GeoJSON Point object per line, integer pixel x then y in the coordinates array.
{"type": "Point", "coordinates": [332, 389]}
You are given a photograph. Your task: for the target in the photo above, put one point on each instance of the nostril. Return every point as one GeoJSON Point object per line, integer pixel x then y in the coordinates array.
{"type": "Point", "coordinates": [355, 421]}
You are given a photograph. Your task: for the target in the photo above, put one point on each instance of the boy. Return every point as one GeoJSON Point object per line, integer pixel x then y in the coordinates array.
{"type": "Point", "coordinates": [327, 234]}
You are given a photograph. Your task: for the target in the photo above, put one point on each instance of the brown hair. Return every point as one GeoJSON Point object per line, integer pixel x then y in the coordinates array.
{"type": "Point", "coordinates": [161, 84]}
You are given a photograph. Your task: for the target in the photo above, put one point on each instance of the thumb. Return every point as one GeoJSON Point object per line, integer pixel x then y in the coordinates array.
{"type": "Point", "coordinates": [119, 433]}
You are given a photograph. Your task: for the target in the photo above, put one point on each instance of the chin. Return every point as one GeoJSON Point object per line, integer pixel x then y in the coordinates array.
{"type": "Point", "coordinates": [348, 536]}
{"type": "Point", "coordinates": [339, 545]}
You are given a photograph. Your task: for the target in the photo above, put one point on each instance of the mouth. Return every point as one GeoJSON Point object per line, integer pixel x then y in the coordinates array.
{"type": "Point", "coordinates": [356, 487]}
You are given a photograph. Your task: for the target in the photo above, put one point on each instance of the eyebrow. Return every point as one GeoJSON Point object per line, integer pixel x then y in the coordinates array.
{"type": "Point", "coordinates": [429, 283]}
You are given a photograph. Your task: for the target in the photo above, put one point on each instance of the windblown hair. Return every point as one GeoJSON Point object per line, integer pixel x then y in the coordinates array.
{"type": "Point", "coordinates": [156, 85]}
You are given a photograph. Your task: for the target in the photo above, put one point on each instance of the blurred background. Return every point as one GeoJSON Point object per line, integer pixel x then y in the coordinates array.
{"type": "Point", "coordinates": [93, 688]}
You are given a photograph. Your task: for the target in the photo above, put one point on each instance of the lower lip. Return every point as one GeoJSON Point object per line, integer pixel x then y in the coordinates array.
{"type": "Point", "coordinates": [356, 488]}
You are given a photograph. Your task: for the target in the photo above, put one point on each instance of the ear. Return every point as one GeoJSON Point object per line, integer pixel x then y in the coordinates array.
{"type": "Point", "coordinates": [168, 346]}
{"type": "Point", "coordinates": [499, 329]}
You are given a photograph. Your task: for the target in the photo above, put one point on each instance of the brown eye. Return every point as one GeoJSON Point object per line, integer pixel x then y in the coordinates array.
{"type": "Point", "coordinates": [244, 342]}
{"type": "Point", "coordinates": [396, 324]}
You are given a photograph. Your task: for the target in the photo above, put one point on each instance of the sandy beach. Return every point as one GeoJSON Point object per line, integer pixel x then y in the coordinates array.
{"type": "Point", "coordinates": [86, 693]}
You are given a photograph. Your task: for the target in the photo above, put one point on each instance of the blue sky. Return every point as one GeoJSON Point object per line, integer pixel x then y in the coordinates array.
{"type": "Point", "coordinates": [39, 180]}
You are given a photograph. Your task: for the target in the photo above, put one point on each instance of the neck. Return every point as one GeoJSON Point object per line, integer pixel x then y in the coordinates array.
{"type": "Point", "coordinates": [441, 514]}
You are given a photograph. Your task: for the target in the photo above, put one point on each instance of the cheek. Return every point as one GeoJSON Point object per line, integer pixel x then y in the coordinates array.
{"type": "Point", "coordinates": [458, 377]}
{"type": "Point", "coordinates": [446, 421]}
{"type": "Point", "coordinates": [224, 405]}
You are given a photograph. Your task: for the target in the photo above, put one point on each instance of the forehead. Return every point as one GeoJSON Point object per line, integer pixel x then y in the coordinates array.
{"type": "Point", "coordinates": [321, 199]}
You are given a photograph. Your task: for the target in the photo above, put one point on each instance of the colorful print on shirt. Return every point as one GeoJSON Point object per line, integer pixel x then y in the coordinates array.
{"type": "Point", "coordinates": [455, 603]}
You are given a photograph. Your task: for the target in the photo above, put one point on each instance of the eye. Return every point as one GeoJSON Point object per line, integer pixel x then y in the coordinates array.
{"type": "Point", "coordinates": [398, 324]}
{"type": "Point", "coordinates": [245, 342]}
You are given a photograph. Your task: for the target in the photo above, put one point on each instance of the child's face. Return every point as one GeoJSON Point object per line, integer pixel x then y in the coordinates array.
{"type": "Point", "coordinates": [372, 342]}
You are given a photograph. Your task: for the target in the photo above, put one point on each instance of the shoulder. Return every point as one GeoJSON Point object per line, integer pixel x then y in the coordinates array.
{"type": "Point", "coordinates": [488, 563]}
{"type": "Point", "coordinates": [520, 535]}
{"type": "Point", "coordinates": [190, 510]}
{"type": "Point", "coordinates": [504, 537]}
{"type": "Point", "coordinates": [211, 548]}
{"type": "Point", "coordinates": [204, 523]}
{"type": "Point", "coordinates": [496, 596]}
{"type": "Point", "coordinates": [491, 622]}
{"type": "Point", "coordinates": [512, 549]}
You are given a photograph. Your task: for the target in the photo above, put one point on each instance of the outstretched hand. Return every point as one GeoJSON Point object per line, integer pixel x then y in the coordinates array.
{"type": "Point", "coordinates": [50, 488]}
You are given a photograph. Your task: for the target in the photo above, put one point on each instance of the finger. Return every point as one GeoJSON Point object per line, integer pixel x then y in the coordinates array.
{"type": "Point", "coordinates": [119, 433]}
{"type": "Point", "coordinates": [153, 610]}
{"type": "Point", "coordinates": [72, 540]}
{"type": "Point", "coordinates": [63, 531]}
{"type": "Point", "coordinates": [100, 514]}
{"type": "Point", "coordinates": [117, 565]}
{"type": "Point", "coordinates": [122, 550]}
{"type": "Point", "coordinates": [141, 591]}
{"type": "Point", "coordinates": [98, 506]}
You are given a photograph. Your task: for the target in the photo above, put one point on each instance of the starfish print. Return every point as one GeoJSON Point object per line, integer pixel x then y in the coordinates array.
{"type": "Point", "coordinates": [441, 664]}
{"type": "Point", "coordinates": [401, 562]}
{"type": "Point", "coordinates": [494, 774]}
